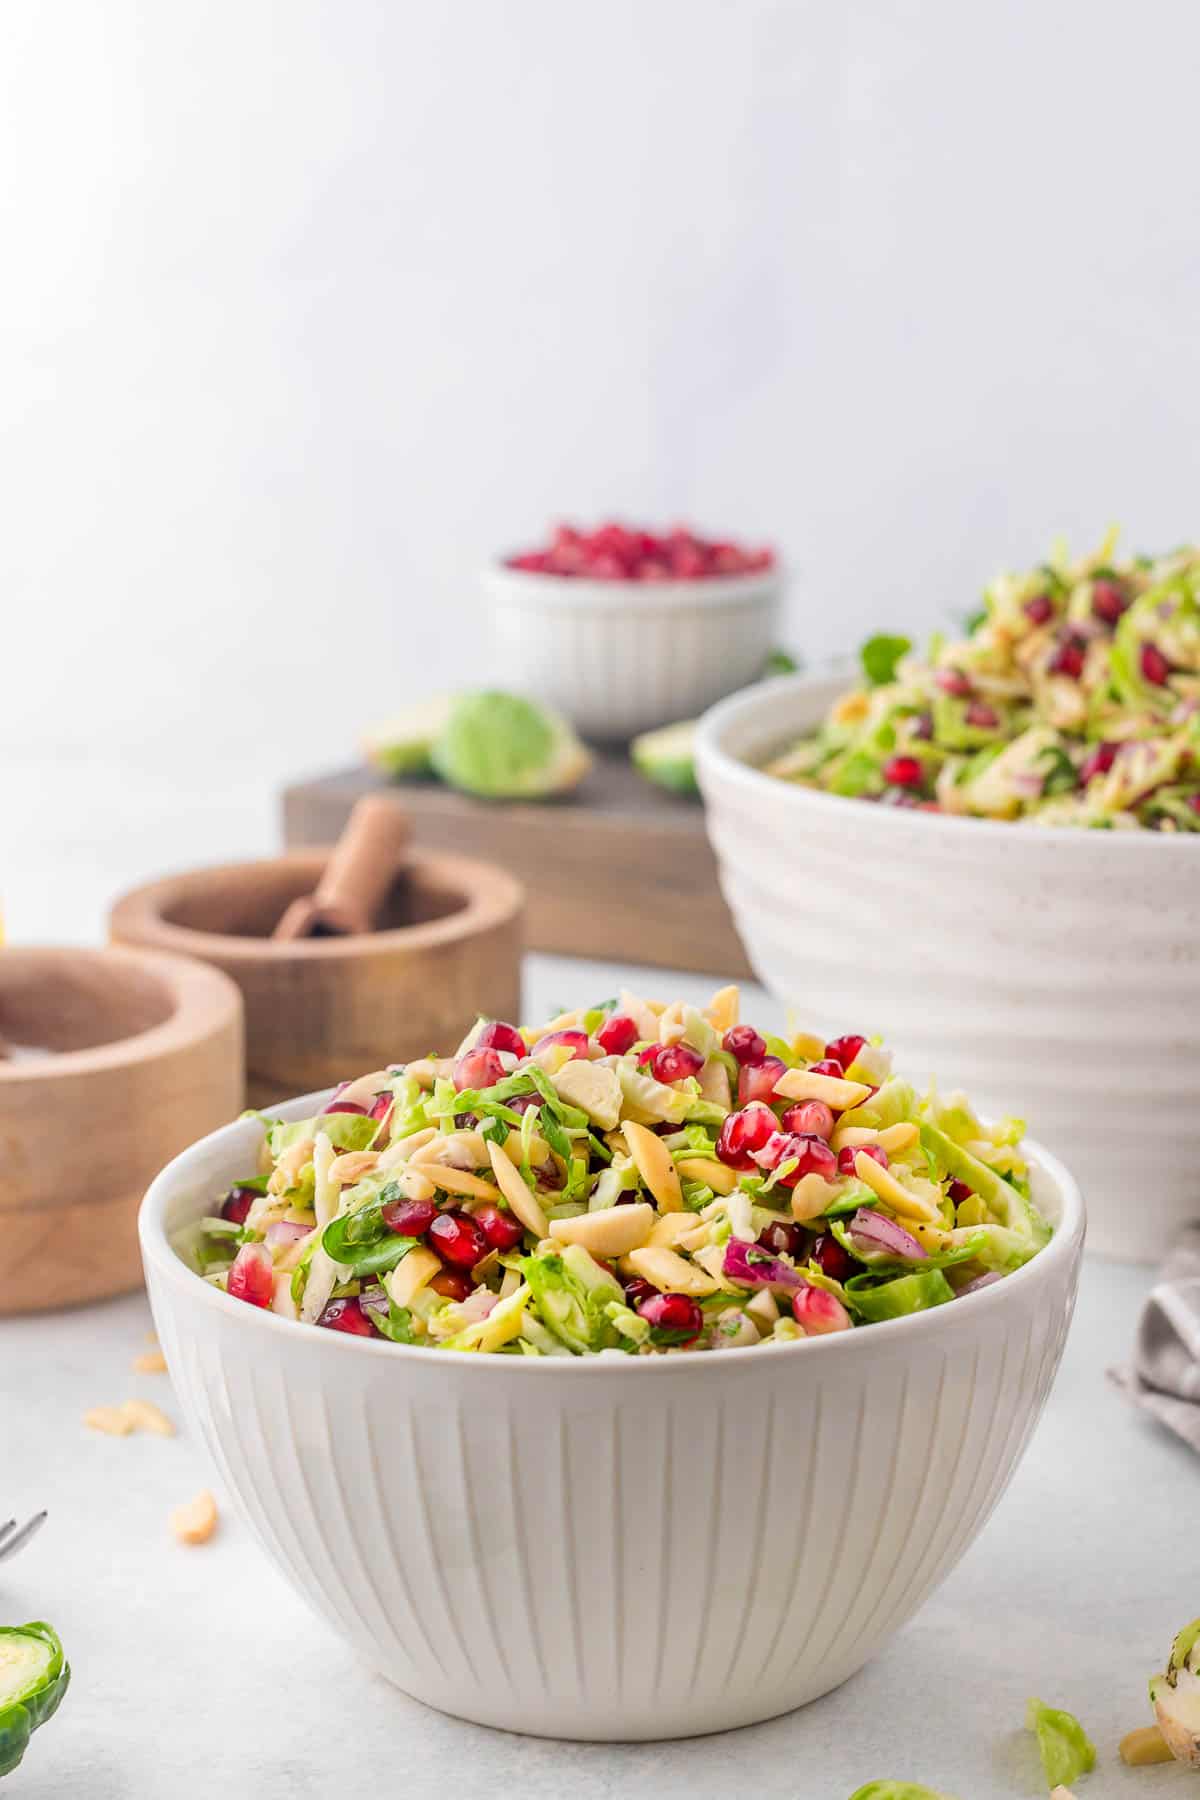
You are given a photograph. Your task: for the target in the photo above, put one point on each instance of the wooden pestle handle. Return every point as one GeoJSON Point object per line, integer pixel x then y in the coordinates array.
{"type": "Point", "coordinates": [358, 876]}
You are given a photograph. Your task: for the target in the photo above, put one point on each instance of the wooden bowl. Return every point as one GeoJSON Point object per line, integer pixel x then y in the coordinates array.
{"type": "Point", "coordinates": [323, 1010]}
{"type": "Point", "coordinates": [147, 1058]}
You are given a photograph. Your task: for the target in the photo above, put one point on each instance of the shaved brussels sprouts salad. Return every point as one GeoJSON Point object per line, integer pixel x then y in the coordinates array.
{"type": "Point", "coordinates": [632, 1177]}
{"type": "Point", "coordinates": [1075, 700]}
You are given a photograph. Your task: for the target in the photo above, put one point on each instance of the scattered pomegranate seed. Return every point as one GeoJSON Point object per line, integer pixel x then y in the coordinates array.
{"type": "Point", "coordinates": [478, 1068]}
{"type": "Point", "coordinates": [673, 1314]}
{"type": "Point", "coordinates": [832, 1258]}
{"type": "Point", "coordinates": [1068, 658]}
{"type": "Point", "coordinates": [496, 1035]}
{"type": "Point", "coordinates": [782, 1239]}
{"type": "Point", "coordinates": [744, 1043]}
{"type": "Point", "coordinates": [1098, 762]}
{"type": "Point", "coordinates": [577, 1042]}
{"type": "Point", "coordinates": [500, 1228]}
{"type": "Point", "coordinates": [251, 1277]}
{"type": "Point", "coordinates": [960, 1191]}
{"type": "Point", "coordinates": [1108, 602]}
{"type": "Point", "coordinates": [828, 1065]}
{"type": "Point", "coordinates": [1194, 802]}
{"type": "Point", "coordinates": [742, 1132]}
{"type": "Point", "coordinates": [982, 716]}
{"type": "Point", "coordinates": [380, 1106]}
{"type": "Point", "coordinates": [615, 552]}
{"type": "Point", "coordinates": [450, 1284]}
{"type": "Point", "coordinates": [344, 1106]}
{"type": "Point", "coordinates": [458, 1240]}
{"type": "Point", "coordinates": [672, 1062]}
{"type": "Point", "coordinates": [347, 1315]}
{"type": "Point", "coordinates": [811, 1155]}
{"type": "Point", "coordinates": [756, 1080]}
{"type": "Point", "coordinates": [809, 1118]}
{"type": "Point", "coordinates": [617, 1034]}
{"type": "Point", "coordinates": [237, 1204]}
{"type": "Point", "coordinates": [1154, 665]}
{"type": "Point", "coordinates": [953, 681]}
{"type": "Point", "coordinates": [637, 1290]}
{"type": "Point", "coordinates": [819, 1312]}
{"type": "Point", "coordinates": [1040, 610]}
{"type": "Point", "coordinates": [902, 771]}
{"type": "Point", "coordinates": [848, 1153]}
{"type": "Point", "coordinates": [408, 1218]}
{"type": "Point", "coordinates": [844, 1049]}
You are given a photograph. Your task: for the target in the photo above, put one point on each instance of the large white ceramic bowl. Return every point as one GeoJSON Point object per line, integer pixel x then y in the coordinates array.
{"type": "Point", "coordinates": [621, 1547]}
{"type": "Point", "coordinates": [1049, 972]}
{"type": "Point", "coordinates": [619, 657]}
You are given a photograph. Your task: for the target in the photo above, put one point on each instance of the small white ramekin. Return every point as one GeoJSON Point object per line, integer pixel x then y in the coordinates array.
{"type": "Point", "coordinates": [617, 1547]}
{"type": "Point", "coordinates": [619, 657]}
{"type": "Point", "coordinates": [1050, 972]}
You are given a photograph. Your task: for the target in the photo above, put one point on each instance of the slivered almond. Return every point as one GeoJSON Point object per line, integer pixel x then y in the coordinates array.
{"type": "Point", "coordinates": [615, 1231]}
{"type": "Point", "coordinates": [403, 1148]}
{"type": "Point", "coordinates": [525, 1205]}
{"type": "Point", "coordinates": [539, 1149]}
{"type": "Point", "coordinates": [287, 1170]}
{"type": "Point", "coordinates": [1145, 1745]}
{"type": "Point", "coordinates": [566, 1021]}
{"type": "Point", "coordinates": [670, 1228]}
{"type": "Point", "coordinates": [429, 1069]}
{"type": "Point", "coordinates": [348, 1169]}
{"type": "Point", "coordinates": [897, 1138]}
{"type": "Point", "coordinates": [714, 1083]}
{"type": "Point", "coordinates": [453, 1150]}
{"type": "Point", "coordinates": [802, 1084]}
{"type": "Point", "coordinates": [113, 1421]}
{"type": "Point", "coordinates": [415, 1184]}
{"type": "Point", "coordinates": [459, 1181]}
{"type": "Point", "coordinates": [724, 1009]}
{"type": "Point", "coordinates": [670, 1024]}
{"type": "Point", "coordinates": [670, 1273]}
{"type": "Point", "coordinates": [810, 1196]}
{"type": "Point", "coordinates": [718, 1176]}
{"type": "Point", "coordinates": [764, 1310]}
{"type": "Point", "coordinates": [811, 1048]}
{"type": "Point", "coordinates": [893, 1138]}
{"type": "Point", "coordinates": [884, 1183]}
{"type": "Point", "coordinates": [364, 1088]}
{"type": "Point", "coordinates": [195, 1522]}
{"type": "Point", "coordinates": [653, 1162]}
{"type": "Point", "coordinates": [281, 1295]}
{"type": "Point", "coordinates": [150, 1362]}
{"type": "Point", "coordinates": [411, 1274]}
{"type": "Point", "coordinates": [148, 1417]}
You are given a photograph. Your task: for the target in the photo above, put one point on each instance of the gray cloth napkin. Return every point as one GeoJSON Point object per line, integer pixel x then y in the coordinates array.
{"type": "Point", "coordinates": [1164, 1377]}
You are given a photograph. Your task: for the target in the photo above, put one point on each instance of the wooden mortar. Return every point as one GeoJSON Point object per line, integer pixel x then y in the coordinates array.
{"type": "Point", "coordinates": [322, 1010]}
{"type": "Point", "coordinates": [147, 1058]}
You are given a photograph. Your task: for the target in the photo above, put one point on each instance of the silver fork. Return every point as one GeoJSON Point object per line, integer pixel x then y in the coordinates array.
{"type": "Point", "coordinates": [14, 1537]}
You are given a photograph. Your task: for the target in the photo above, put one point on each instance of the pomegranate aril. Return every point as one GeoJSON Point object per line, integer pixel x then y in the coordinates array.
{"type": "Point", "coordinates": [844, 1049]}
{"type": "Point", "coordinates": [676, 1318]}
{"type": "Point", "coordinates": [832, 1258]}
{"type": "Point", "coordinates": [1098, 762]}
{"type": "Point", "coordinates": [496, 1035]}
{"type": "Point", "coordinates": [756, 1080]}
{"type": "Point", "coordinates": [1040, 610]}
{"type": "Point", "coordinates": [458, 1240]}
{"type": "Point", "coordinates": [959, 1190]}
{"type": "Point", "coordinates": [809, 1118]}
{"type": "Point", "coordinates": [810, 1156]}
{"type": "Point", "coordinates": [742, 1132]}
{"type": "Point", "coordinates": [744, 1043]}
{"type": "Point", "coordinates": [1068, 658]}
{"type": "Point", "coordinates": [1108, 602]}
{"type": "Point", "coordinates": [237, 1204]}
{"type": "Point", "coordinates": [982, 716]}
{"type": "Point", "coordinates": [672, 1062]}
{"type": "Point", "coordinates": [408, 1218]}
{"type": "Point", "coordinates": [347, 1315]}
{"type": "Point", "coordinates": [902, 771]}
{"type": "Point", "coordinates": [819, 1313]}
{"type": "Point", "coordinates": [617, 1035]}
{"type": "Point", "coordinates": [450, 1284]}
{"type": "Point", "coordinates": [782, 1239]}
{"type": "Point", "coordinates": [576, 1041]}
{"type": "Point", "coordinates": [251, 1277]}
{"type": "Point", "coordinates": [847, 1154]}
{"type": "Point", "coordinates": [829, 1065]}
{"type": "Point", "coordinates": [380, 1106]}
{"type": "Point", "coordinates": [478, 1068]}
{"type": "Point", "coordinates": [953, 681]}
{"type": "Point", "coordinates": [1194, 802]}
{"type": "Point", "coordinates": [638, 1290]}
{"type": "Point", "coordinates": [501, 1229]}
{"type": "Point", "coordinates": [1154, 665]}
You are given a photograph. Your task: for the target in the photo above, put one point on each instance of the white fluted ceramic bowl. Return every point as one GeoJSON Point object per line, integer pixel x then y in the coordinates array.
{"type": "Point", "coordinates": [1052, 973]}
{"type": "Point", "coordinates": [619, 657]}
{"type": "Point", "coordinates": [623, 1547]}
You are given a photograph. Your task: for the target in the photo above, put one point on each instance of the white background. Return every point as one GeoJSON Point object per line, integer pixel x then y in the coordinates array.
{"type": "Point", "coordinates": [307, 306]}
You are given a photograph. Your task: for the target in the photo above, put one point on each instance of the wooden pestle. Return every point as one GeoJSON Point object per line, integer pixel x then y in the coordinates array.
{"type": "Point", "coordinates": [358, 876]}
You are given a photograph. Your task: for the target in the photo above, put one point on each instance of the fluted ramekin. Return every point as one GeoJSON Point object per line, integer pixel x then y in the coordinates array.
{"type": "Point", "coordinates": [1050, 972]}
{"type": "Point", "coordinates": [619, 1547]}
{"type": "Point", "coordinates": [619, 657]}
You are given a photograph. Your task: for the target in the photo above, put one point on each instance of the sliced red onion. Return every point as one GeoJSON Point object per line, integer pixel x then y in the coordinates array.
{"type": "Point", "coordinates": [756, 1268]}
{"type": "Point", "coordinates": [980, 1281]}
{"type": "Point", "coordinates": [873, 1232]}
{"type": "Point", "coordinates": [374, 1300]}
{"type": "Point", "coordinates": [283, 1232]}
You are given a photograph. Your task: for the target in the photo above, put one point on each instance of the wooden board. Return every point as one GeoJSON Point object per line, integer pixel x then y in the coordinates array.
{"type": "Point", "coordinates": [619, 870]}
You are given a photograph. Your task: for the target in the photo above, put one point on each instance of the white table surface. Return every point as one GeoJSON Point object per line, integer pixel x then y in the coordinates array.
{"type": "Point", "coordinates": [199, 1672]}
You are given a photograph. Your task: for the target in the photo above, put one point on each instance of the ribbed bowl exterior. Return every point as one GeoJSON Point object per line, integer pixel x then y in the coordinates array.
{"type": "Point", "coordinates": [625, 1548]}
{"type": "Point", "coordinates": [1052, 973]}
{"type": "Point", "coordinates": [622, 657]}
